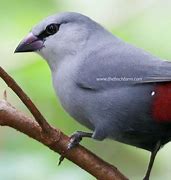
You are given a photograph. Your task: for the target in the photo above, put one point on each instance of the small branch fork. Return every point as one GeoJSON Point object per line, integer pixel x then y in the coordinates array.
{"type": "Point", "coordinates": [39, 129]}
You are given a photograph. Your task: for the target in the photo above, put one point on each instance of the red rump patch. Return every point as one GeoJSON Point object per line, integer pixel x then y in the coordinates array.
{"type": "Point", "coordinates": [161, 107]}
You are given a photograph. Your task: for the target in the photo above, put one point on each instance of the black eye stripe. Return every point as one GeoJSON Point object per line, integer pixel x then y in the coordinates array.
{"type": "Point", "coordinates": [42, 35]}
{"type": "Point", "coordinates": [50, 30]}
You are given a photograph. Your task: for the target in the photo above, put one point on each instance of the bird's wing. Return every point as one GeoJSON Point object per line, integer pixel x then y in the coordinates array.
{"type": "Point", "coordinates": [111, 67]}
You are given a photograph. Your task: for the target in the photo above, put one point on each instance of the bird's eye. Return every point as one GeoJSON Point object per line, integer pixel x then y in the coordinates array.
{"type": "Point", "coordinates": [52, 29]}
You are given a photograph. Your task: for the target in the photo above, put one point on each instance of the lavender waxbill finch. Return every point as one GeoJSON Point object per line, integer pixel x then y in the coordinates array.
{"type": "Point", "coordinates": [115, 89]}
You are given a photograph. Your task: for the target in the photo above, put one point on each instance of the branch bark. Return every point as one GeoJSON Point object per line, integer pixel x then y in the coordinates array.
{"type": "Point", "coordinates": [40, 130]}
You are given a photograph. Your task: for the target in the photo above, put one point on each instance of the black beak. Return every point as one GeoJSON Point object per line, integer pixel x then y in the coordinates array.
{"type": "Point", "coordinates": [29, 44]}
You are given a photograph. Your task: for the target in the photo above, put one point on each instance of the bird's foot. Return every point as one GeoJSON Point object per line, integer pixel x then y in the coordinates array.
{"type": "Point", "coordinates": [75, 139]}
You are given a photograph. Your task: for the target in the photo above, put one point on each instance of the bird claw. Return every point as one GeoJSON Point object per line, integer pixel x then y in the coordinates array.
{"type": "Point", "coordinates": [75, 139]}
{"type": "Point", "coordinates": [61, 158]}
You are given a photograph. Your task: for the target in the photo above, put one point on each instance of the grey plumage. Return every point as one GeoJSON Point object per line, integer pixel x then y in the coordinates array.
{"type": "Point", "coordinates": [103, 82]}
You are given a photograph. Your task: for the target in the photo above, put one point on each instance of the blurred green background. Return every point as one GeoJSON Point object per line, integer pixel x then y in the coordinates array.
{"type": "Point", "coordinates": [146, 24]}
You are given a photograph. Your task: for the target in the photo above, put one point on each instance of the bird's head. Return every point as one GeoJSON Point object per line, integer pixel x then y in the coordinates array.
{"type": "Point", "coordinates": [58, 36]}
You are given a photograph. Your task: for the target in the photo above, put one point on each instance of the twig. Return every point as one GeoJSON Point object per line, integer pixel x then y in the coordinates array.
{"type": "Point", "coordinates": [26, 100]}
{"type": "Point", "coordinates": [55, 139]}
{"type": "Point", "coordinates": [9, 116]}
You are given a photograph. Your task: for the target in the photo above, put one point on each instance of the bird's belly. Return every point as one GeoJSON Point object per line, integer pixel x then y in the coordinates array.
{"type": "Point", "coordinates": [72, 101]}
{"type": "Point", "coordinates": [124, 114]}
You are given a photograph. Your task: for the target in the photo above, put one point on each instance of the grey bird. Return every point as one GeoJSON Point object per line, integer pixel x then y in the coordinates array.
{"type": "Point", "coordinates": [115, 89]}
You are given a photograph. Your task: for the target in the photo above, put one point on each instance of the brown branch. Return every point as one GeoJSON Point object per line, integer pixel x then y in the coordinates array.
{"type": "Point", "coordinates": [55, 139]}
{"type": "Point", "coordinates": [25, 99]}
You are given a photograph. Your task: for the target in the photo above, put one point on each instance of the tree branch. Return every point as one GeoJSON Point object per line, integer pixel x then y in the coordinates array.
{"type": "Point", "coordinates": [26, 100]}
{"type": "Point", "coordinates": [54, 139]}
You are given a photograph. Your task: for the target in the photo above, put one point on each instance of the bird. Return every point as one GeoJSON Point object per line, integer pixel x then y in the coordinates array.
{"type": "Point", "coordinates": [117, 90]}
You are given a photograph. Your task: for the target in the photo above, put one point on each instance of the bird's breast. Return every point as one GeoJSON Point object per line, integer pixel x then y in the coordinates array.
{"type": "Point", "coordinates": [64, 85]}
{"type": "Point", "coordinates": [69, 94]}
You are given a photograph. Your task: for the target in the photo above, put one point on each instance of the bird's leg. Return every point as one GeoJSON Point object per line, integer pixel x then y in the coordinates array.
{"type": "Point", "coordinates": [75, 139]}
{"type": "Point", "coordinates": [152, 158]}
